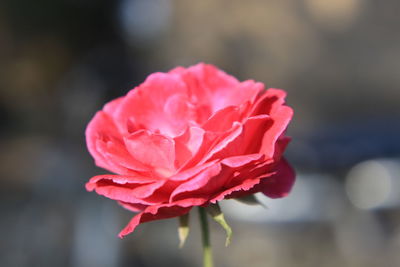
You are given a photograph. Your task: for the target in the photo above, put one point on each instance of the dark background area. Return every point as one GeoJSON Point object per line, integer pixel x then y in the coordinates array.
{"type": "Point", "coordinates": [339, 61]}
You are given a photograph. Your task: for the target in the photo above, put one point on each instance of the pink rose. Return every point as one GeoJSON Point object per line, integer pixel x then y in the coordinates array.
{"type": "Point", "coordinates": [190, 137]}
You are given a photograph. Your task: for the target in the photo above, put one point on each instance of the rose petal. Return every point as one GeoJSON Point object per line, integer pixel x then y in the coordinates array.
{"type": "Point", "coordinates": [280, 146]}
{"type": "Point", "coordinates": [153, 150]}
{"type": "Point", "coordinates": [122, 179]}
{"type": "Point", "coordinates": [116, 155]}
{"type": "Point", "coordinates": [203, 81]}
{"type": "Point", "coordinates": [245, 180]}
{"type": "Point", "coordinates": [158, 212]}
{"type": "Point", "coordinates": [133, 207]}
{"type": "Point", "coordinates": [111, 107]}
{"type": "Point", "coordinates": [212, 143]}
{"type": "Point", "coordinates": [145, 106]}
{"type": "Point", "coordinates": [239, 161]}
{"type": "Point", "coordinates": [178, 114]}
{"type": "Point", "coordinates": [268, 102]}
{"type": "Point", "coordinates": [221, 142]}
{"type": "Point", "coordinates": [248, 141]}
{"type": "Point", "coordinates": [213, 87]}
{"type": "Point", "coordinates": [222, 120]}
{"type": "Point", "coordinates": [189, 173]}
{"type": "Point", "coordinates": [281, 118]}
{"type": "Point", "coordinates": [244, 187]}
{"type": "Point", "coordinates": [206, 182]}
{"type": "Point", "coordinates": [280, 184]}
{"type": "Point", "coordinates": [131, 189]}
{"type": "Point", "coordinates": [187, 145]}
{"type": "Point", "coordinates": [100, 128]}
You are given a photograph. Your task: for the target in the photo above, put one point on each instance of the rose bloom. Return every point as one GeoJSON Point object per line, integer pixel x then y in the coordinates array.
{"type": "Point", "coordinates": [190, 137]}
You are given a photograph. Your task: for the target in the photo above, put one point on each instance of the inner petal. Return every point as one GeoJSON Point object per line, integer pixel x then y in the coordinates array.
{"type": "Point", "coordinates": [153, 150]}
{"type": "Point", "coordinates": [159, 105]}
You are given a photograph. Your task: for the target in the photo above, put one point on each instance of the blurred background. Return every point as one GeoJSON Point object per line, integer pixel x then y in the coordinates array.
{"type": "Point", "coordinates": [339, 61]}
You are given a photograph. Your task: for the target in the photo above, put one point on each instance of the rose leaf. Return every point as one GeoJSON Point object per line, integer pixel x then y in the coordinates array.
{"type": "Point", "coordinates": [250, 200]}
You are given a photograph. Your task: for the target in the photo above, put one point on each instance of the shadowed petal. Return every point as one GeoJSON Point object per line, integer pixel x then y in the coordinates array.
{"type": "Point", "coordinates": [280, 184]}
{"type": "Point", "coordinates": [244, 188]}
{"type": "Point", "coordinates": [206, 182]}
{"type": "Point", "coordinates": [189, 173]}
{"type": "Point", "coordinates": [268, 102]}
{"type": "Point", "coordinates": [248, 141]}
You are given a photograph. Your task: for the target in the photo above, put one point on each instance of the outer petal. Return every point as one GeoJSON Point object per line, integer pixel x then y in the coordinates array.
{"type": "Point", "coordinates": [131, 189]}
{"type": "Point", "coordinates": [217, 177]}
{"type": "Point", "coordinates": [117, 157]}
{"type": "Point", "coordinates": [281, 117]}
{"type": "Point", "coordinates": [248, 141]}
{"type": "Point", "coordinates": [280, 146]}
{"type": "Point", "coordinates": [133, 207]}
{"type": "Point", "coordinates": [159, 212]}
{"type": "Point", "coordinates": [101, 128]}
{"type": "Point", "coordinates": [245, 177]}
{"type": "Point", "coordinates": [242, 189]}
{"type": "Point", "coordinates": [268, 102]}
{"type": "Point", "coordinates": [272, 103]}
{"type": "Point", "coordinates": [111, 107]}
{"type": "Point", "coordinates": [121, 179]}
{"type": "Point", "coordinates": [280, 184]}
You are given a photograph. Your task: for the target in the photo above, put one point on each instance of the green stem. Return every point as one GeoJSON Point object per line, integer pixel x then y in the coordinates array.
{"type": "Point", "coordinates": [205, 233]}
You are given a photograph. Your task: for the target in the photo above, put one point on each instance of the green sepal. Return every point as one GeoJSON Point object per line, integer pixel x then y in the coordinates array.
{"type": "Point", "coordinates": [215, 211]}
{"type": "Point", "coordinates": [183, 229]}
{"type": "Point", "coordinates": [250, 200]}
